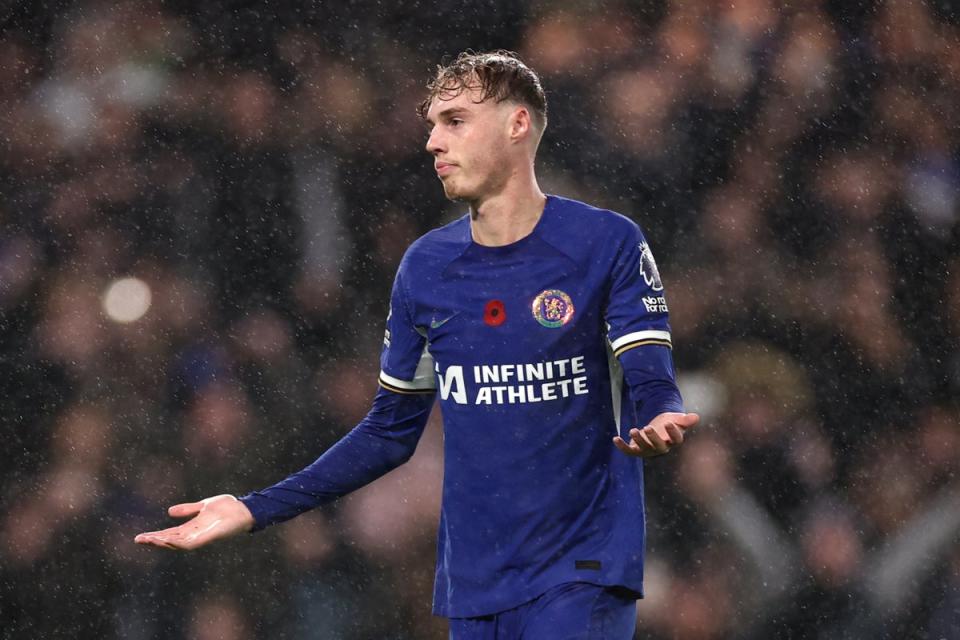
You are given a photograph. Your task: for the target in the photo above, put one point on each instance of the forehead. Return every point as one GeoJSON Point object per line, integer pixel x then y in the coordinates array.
{"type": "Point", "coordinates": [467, 99]}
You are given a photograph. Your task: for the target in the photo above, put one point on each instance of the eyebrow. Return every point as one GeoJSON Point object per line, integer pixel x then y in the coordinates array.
{"type": "Point", "coordinates": [447, 113]}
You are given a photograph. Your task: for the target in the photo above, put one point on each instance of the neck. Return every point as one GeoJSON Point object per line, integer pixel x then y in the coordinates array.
{"type": "Point", "coordinates": [509, 215]}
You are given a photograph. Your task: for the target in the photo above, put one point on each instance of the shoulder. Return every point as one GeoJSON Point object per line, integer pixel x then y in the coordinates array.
{"type": "Point", "coordinates": [579, 226]}
{"type": "Point", "coordinates": [436, 248]}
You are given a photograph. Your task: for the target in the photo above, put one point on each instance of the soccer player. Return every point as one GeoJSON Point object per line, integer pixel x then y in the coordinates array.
{"type": "Point", "coordinates": [541, 323]}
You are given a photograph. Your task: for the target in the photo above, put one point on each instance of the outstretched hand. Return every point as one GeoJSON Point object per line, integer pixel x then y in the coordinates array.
{"type": "Point", "coordinates": [213, 518]}
{"type": "Point", "coordinates": [657, 438]}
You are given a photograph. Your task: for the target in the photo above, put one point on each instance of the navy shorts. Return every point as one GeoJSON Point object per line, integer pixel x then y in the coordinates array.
{"type": "Point", "coordinates": [569, 611]}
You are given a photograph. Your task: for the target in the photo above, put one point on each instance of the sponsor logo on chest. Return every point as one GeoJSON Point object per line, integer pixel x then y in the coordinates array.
{"type": "Point", "coordinates": [522, 383]}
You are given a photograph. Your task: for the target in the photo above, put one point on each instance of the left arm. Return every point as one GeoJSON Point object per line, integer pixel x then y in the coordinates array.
{"type": "Point", "coordinates": [649, 375]}
{"type": "Point", "coordinates": [639, 334]}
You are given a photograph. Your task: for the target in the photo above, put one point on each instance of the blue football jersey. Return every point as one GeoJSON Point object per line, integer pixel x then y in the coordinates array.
{"type": "Point", "coordinates": [528, 347]}
{"type": "Point", "coordinates": [540, 351]}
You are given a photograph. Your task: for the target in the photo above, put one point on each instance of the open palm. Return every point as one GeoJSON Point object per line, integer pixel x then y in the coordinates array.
{"type": "Point", "coordinates": [213, 518]}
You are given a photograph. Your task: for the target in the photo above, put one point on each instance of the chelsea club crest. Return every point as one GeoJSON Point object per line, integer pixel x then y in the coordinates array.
{"type": "Point", "coordinates": [552, 308]}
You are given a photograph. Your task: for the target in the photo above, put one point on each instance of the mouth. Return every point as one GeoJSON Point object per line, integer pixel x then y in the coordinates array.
{"type": "Point", "coordinates": [444, 168]}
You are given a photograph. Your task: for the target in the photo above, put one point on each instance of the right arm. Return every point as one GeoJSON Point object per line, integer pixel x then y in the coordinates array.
{"type": "Point", "coordinates": [382, 441]}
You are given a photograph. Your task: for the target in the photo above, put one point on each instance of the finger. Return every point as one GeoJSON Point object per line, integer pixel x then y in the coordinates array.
{"type": "Point", "coordinates": [640, 437]}
{"type": "Point", "coordinates": [632, 448]}
{"type": "Point", "coordinates": [162, 532]}
{"type": "Point", "coordinates": [675, 433]}
{"type": "Point", "coordinates": [641, 444]}
{"type": "Point", "coordinates": [620, 444]}
{"type": "Point", "coordinates": [185, 509]}
{"type": "Point", "coordinates": [161, 544]}
{"type": "Point", "coordinates": [175, 545]}
{"type": "Point", "coordinates": [687, 420]}
{"type": "Point", "coordinates": [154, 538]}
{"type": "Point", "coordinates": [149, 536]}
{"type": "Point", "coordinates": [656, 441]}
{"type": "Point", "coordinates": [154, 541]}
{"type": "Point", "coordinates": [175, 538]}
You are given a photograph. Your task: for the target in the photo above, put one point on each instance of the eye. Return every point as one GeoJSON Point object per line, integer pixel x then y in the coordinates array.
{"type": "Point", "coordinates": [456, 122]}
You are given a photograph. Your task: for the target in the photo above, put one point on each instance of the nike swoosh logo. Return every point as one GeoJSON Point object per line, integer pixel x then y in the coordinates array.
{"type": "Point", "coordinates": [436, 324]}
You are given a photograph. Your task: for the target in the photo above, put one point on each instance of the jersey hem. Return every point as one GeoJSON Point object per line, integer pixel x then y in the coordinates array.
{"type": "Point", "coordinates": [447, 611]}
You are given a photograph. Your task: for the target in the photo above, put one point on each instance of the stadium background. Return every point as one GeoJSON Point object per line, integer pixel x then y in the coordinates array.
{"type": "Point", "coordinates": [260, 169]}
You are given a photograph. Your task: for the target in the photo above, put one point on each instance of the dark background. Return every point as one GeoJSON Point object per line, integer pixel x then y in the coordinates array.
{"type": "Point", "coordinates": [259, 166]}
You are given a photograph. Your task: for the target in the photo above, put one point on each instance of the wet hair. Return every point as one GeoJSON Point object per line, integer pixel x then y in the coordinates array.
{"type": "Point", "coordinates": [499, 75]}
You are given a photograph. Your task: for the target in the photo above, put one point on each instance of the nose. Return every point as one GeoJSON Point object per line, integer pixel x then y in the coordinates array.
{"type": "Point", "coordinates": [435, 144]}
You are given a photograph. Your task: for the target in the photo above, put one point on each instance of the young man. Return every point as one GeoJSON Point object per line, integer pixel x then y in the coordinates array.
{"type": "Point", "coordinates": [527, 315]}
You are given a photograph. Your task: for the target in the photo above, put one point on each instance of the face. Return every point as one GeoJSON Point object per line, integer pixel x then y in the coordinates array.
{"type": "Point", "coordinates": [470, 143]}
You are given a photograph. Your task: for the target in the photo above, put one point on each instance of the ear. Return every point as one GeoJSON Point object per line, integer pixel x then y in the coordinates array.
{"type": "Point", "coordinates": [521, 126]}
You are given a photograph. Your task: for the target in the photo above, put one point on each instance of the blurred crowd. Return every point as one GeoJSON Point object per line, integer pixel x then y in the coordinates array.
{"type": "Point", "coordinates": [260, 168]}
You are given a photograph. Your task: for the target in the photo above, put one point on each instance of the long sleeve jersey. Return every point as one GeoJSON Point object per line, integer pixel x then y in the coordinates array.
{"type": "Point", "coordinates": [540, 352]}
